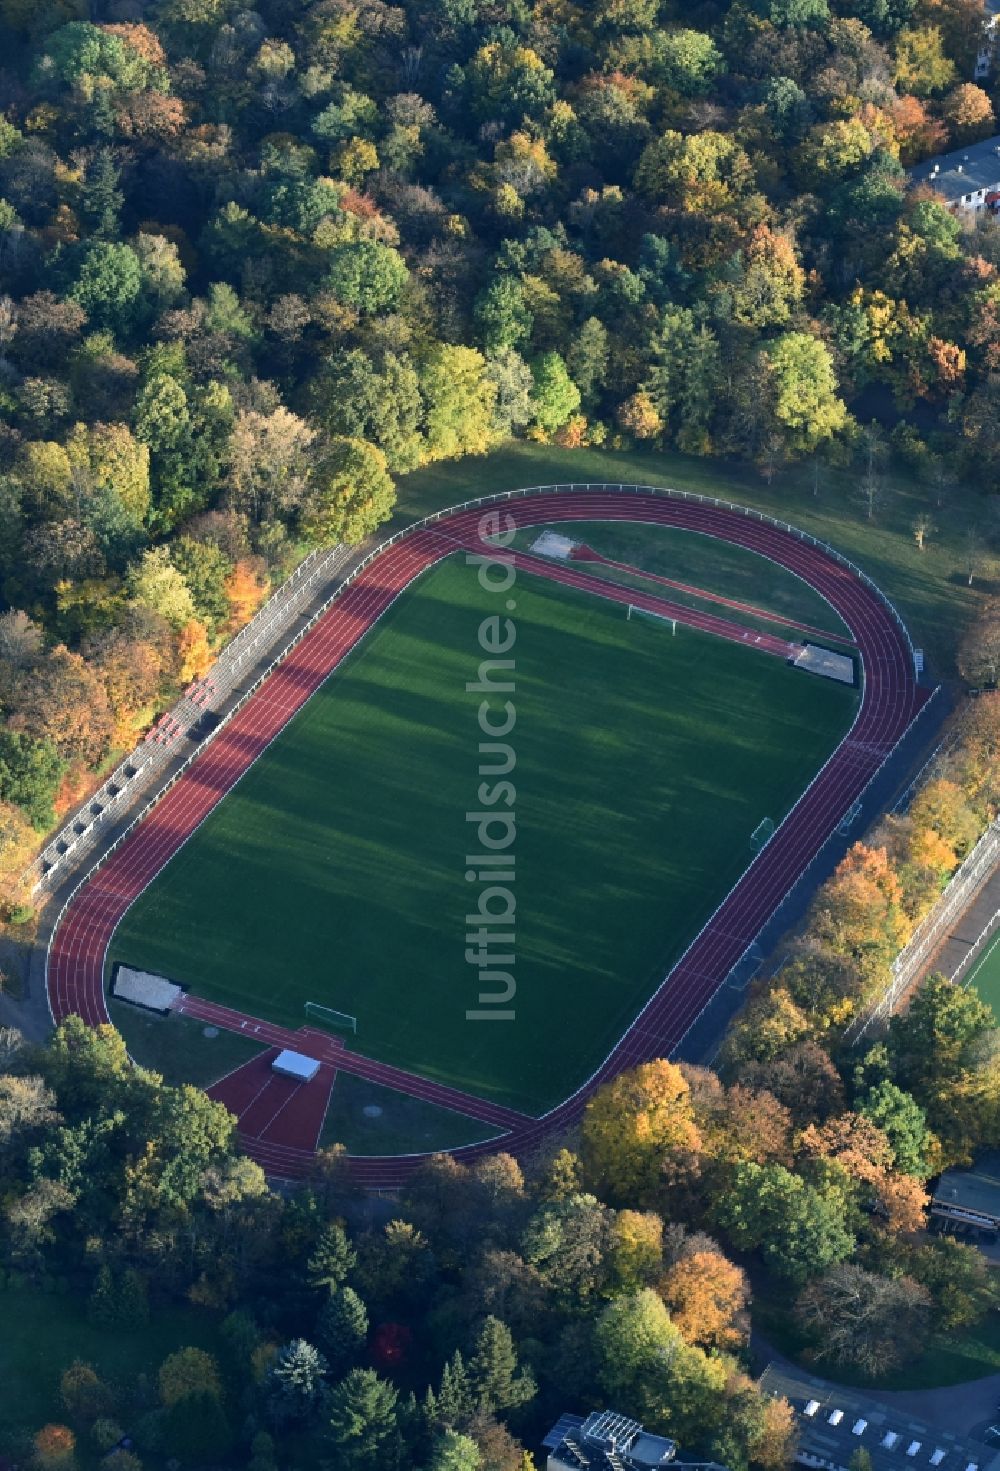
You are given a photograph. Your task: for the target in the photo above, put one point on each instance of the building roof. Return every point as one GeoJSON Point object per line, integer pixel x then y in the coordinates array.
{"type": "Point", "coordinates": [977, 166]}
{"type": "Point", "coordinates": [606, 1441]}
{"type": "Point", "coordinates": [833, 1422]}
{"type": "Point", "coordinates": [976, 1190]}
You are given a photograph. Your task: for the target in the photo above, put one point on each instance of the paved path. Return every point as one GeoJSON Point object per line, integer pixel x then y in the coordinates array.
{"type": "Point", "coordinates": [964, 1408]}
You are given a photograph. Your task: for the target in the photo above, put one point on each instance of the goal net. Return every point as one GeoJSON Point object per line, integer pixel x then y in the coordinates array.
{"type": "Point", "coordinates": [762, 833]}
{"type": "Point", "coordinates": [634, 611]}
{"type": "Point", "coordinates": [337, 1021]}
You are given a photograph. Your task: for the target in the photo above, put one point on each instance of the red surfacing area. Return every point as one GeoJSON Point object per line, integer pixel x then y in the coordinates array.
{"type": "Point", "coordinates": [890, 701]}
{"type": "Point", "coordinates": [279, 1114]}
{"type": "Point", "coordinates": [323, 1047]}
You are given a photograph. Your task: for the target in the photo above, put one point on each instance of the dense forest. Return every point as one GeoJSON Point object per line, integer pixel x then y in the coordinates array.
{"type": "Point", "coordinates": [255, 263]}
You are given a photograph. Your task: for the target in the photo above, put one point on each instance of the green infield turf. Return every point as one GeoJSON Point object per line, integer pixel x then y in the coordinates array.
{"type": "Point", "coordinates": [984, 976]}
{"type": "Point", "coordinates": [336, 870]}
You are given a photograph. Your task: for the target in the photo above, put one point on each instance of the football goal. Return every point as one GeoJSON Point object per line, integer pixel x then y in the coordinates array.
{"type": "Point", "coordinates": [762, 834]}
{"type": "Point", "coordinates": [337, 1021]}
{"type": "Point", "coordinates": [648, 613]}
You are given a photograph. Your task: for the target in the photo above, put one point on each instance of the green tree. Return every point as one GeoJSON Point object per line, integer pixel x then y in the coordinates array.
{"type": "Point", "coordinates": [643, 1361]}
{"type": "Point", "coordinates": [806, 402]}
{"type": "Point", "coordinates": [101, 199]}
{"type": "Point", "coordinates": [458, 402]}
{"type": "Point", "coordinates": [196, 1431]}
{"type": "Point", "coordinates": [367, 275]}
{"type": "Point", "coordinates": [960, 1280]}
{"type": "Point", "coordinates": [351, 494]}
{"type": "Point", "coordinates": [556, 397]}
{"type": "Point", "coordinates": [904, 1124]}
{"type": "Point", "coordinates": [493, 1370]}
{"type": "Point", "coordinates": [567, 1242]}
{"type": "Point", "coordinates": [157, 584]}
{"type": "Point", "coordinates": [798, 1229]}
{"type": "Point", "coordinates": [342, 1328]}
{"type": "Point", "coordinates": [355, 397]}
{"type": "Point", "coordinates": [454, 1452]}
{"type": "Point", "coordinates": [363, 1424]}
{"type": "Point", "coordinates": [684, 378]}
{"type": "Point", "coordinates": [938, 1036]}
{"type": "Point", "coordinates": [205, 569]}
{"type": "Point", "coordinates": [30, 773]}
{"type": "Point", "coordinates": [108, 284]}
{"type": "Point", "coordinates": [503, 317]}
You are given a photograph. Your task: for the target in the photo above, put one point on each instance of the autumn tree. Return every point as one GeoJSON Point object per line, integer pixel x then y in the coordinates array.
{"type": "Point", "coordinates": [858, 912]}
{"type": "Point", "coordinates": [638, 1130]}
{"type": "Point", "coordinates": [194, 655]}
{"type": "Point", "coordinates": [707, 1297]}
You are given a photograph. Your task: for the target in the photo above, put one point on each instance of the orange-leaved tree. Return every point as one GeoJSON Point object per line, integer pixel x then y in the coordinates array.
{"type": "Point", "coordinates": [639, 1132]}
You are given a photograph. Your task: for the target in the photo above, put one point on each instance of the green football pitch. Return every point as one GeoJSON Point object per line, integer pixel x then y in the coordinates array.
{"type": "Point", "coordinates": [984, 976]}
{"type": "Point", "coordinates": [335, 872]}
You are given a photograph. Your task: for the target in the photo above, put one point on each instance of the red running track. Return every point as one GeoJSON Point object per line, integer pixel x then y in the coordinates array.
{"type": "Point", "coordinates": [890, 701]}
{"type": "Point", "coordinates": [583, 553]}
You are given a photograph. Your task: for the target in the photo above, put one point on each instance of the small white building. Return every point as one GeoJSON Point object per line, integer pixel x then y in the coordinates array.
{"type": "Point", "coordinates": [967, 179]}
{"type": "Point", "coordinates": [295, 1065]}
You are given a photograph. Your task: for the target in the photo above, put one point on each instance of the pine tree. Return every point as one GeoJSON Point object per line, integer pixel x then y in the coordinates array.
{"type": "Point", "coordinates": [296, 1381]}
{"type": "Point", "coordinates": [342, 1328]}
{"type": "Point", "coordinates": [363, 1422]}
{"type": "Point", "coordinates": [455, 1400]}
{"type": "Point", "coordinates": [133, 1302]}
{"type": "Point", "coordinates": [100, 198]}
{"type": "Point", "coordinates": [102, 1305]}
{"type": "Point", "coordinates": [332, 1259]}
{"type": "Point", "coordinates": [493, 1370]}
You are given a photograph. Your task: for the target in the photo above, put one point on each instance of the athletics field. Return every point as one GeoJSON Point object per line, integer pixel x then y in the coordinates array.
{"type": "Point", "coordinates": [335, 871]}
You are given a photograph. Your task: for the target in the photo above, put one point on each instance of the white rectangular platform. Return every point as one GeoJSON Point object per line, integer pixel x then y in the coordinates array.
{"type": "Point", "coordinates": [551, 544]}
{"type": "Point", "coordinates": [142, 988]}
{"type": "Point", "coordinates": [826, 663]}
{"type": "Point", "coordinates": [295, 1065]}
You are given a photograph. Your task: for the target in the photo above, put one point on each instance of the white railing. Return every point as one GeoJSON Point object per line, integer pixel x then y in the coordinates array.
{"type": "Point", "coordinates": [919, 950]}
{"type": "Point", "coordinates": [156, 750]}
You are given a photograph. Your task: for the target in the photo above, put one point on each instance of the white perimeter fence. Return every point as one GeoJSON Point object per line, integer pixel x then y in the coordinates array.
{"type": "Point", "coordinates": [120, 790]}
{"type": "Point", "coordinates": [932, 930]}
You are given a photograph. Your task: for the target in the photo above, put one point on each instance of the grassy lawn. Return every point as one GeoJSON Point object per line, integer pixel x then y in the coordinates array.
{"type": "Point", "coordinates": [403, 1125]}
{"type": "Point", "coordinates": [44, 1333]}
{"type": "Point", "coordinates": [703, 562]}
{"type": "Point", "coordinates": [985, 976]}
{"type": "Point", "coordinates": [928, 587]}
{"type": "Point", "coordinates": [949, 1358]}
{"type": "Point", "coordinates": [176, 1046]}
{"type": "Point", "coordinates": [335, 872]}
